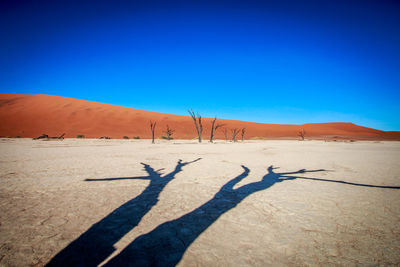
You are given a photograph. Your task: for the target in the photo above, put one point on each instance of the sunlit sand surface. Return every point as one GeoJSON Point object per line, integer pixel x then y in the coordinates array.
{"type": "Point", "coordinates": [257, 203]}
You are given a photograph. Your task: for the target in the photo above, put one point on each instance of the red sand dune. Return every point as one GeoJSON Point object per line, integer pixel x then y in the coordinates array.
{"type": "Point", "coordinates": [33, 115]}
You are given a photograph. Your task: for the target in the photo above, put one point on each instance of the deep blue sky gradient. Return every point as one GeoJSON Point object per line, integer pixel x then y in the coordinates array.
{"type": "Point", "coordinates": [288, 62]}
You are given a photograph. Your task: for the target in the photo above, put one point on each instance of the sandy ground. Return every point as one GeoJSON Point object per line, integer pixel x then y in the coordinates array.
{"type": "Point", "coordinates": [241, 204]}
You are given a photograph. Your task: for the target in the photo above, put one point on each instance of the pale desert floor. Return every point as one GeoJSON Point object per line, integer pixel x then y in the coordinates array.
{"type": "Point", "coordinates": [210, 212]}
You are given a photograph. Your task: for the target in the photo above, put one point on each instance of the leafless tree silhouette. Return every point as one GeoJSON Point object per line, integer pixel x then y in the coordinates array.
{"type": "Point", "coordinates": [226, 134]}
{"type": "Point", "coordinates": [302, 133]}
{"type": "Point", "coordinates": [46, 137]}
{"type": "Point", "coordinates": [243, 131]}
{"type": "Point", "coordinates": [197, 123]}
{"type": "Point", "coordinates": [234, 134]}
{"type": "Point", "coordinates": [43, 136]}
{"type": "Point", "coordinates": [152, 127]}
{"type": "Point", "coordinates": [214, 128]}
{"type": "Point", "coordinates": [169, 132]}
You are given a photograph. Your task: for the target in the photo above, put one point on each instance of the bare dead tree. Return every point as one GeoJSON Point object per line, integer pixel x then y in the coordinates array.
{"type": "Point", "coordinates": [169, 132]}
{"type": "Point", "coordinates": [234, 134]}
{"type": "Point", "coordinates": [61, 137]}
{"type": "Point", "coordinates": [47, 137]}
{"type": "Point", "coordinates": [302, 133]}
{"type": "Point", "coordinates": [197, 123]}
{"type": "Point", "coordinates": [152, 127]}
{"type": "Point", "coordinates": [43, 136]}
{"type": "Point", "coordinates": [242, 132]}
{"type": "Point", "coordinates": [226, 134]}
{"type": "Point", "coordinates": [214, 128]}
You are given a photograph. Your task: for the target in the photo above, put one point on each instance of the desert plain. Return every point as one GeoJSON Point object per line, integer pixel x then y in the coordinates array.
{"type": "Point", "coordinates": [253, 203]}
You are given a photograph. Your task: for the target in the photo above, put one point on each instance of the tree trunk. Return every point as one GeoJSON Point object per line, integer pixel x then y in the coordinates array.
{"type": "Point", "coordinates": [152, 127]}
{"type": "Point", "coordinates": [198, 125]}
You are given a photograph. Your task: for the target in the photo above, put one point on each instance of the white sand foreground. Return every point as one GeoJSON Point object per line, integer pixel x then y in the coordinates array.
{"type": "Point", "coordinates": [55, 205]}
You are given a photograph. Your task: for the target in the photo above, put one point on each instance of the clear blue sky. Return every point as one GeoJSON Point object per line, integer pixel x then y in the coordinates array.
{"type": "Point", "coordinates": [288, 62]}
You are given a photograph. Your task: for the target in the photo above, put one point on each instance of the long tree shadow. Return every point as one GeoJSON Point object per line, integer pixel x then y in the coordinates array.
{"type": "Point", "coordinates": [166, 244]}
{"type": "Point", "coordinates": [97, 243]}
{"type": "Point", "coordinates": [350, 183]}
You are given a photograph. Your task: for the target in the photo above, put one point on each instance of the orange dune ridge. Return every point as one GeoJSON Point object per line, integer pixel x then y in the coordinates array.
{"type": "Point", "coordinates": [33, 115]}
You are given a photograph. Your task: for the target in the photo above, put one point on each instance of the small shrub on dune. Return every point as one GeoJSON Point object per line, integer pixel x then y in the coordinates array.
{"type": "Point", "coordinates": [80, 136]}
{"type": "Point", "coordinates": [136, 137]}
{"type": "Point", "coordinates": [169, 133]}
{"type": "Point", "coordinates": [125, 137]}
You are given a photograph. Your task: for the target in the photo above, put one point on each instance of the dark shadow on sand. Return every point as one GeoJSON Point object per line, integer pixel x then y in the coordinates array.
{"type": "Point", "coordinates": [97, 243]}
{"type": "Point", "coordinates": [350, 183]}
{"type": "Point", "coordinates": [166, 244]}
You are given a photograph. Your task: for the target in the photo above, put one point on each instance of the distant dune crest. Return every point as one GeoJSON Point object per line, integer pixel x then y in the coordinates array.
{"type": "Point", "coordinates": [34, 115]}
